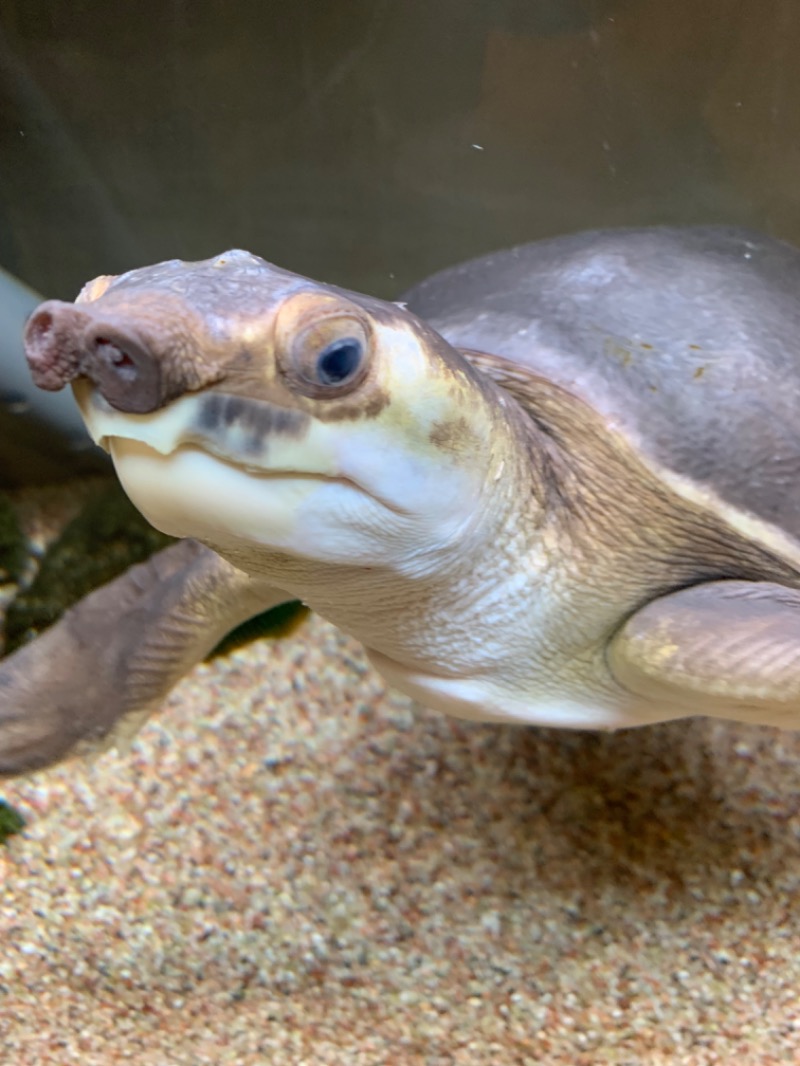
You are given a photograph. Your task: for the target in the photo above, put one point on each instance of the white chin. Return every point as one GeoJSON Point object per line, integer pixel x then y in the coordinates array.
{"type": "Point", "coordinates": [190, 493]}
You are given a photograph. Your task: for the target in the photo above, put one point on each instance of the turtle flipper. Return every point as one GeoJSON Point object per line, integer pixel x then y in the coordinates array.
{"type": "Point", "coordinates": [730, 649]}
{"type": "Point", "coordinates": [92, 678]}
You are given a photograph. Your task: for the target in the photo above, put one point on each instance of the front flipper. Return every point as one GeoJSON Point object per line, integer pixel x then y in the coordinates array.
{"type": "Point", "coordinates": [94, 676]}
{"type": "Point", "coordinates": [730, 649]}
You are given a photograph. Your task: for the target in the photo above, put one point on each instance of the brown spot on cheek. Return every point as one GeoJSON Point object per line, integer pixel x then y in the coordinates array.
{"type": "Point", "coordinates": [452, 435]}
{"type": "Point", "coordinates": [375, 403]}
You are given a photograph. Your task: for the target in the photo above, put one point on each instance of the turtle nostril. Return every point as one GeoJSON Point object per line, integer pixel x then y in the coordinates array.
{"type": "Point", "coordinates": [63, 342]}
{"type": "Point", "coordinates": [116, 364]}
{"type": "Point", "coordinates": [114, 354]}
{"type": "Point", "coordinates": [124, 367]}
{"type": "Point", "coordinates": [40, 325]}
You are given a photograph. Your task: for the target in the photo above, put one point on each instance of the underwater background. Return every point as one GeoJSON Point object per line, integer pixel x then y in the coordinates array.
{"type": "Point", "coordinates": [292, 864]}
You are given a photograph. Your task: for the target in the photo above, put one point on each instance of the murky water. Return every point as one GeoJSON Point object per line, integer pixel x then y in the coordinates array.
{"type": "Point", "coordinates": [293, 864]}
{"type": "Point", "coordinates": [369, 142]}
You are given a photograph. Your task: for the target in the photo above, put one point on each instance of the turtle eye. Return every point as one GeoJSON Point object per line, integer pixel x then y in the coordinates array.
{"type": "Point", "coordinates": [339, 361]}
{"type": "Point", "coordinates": [329, 357]}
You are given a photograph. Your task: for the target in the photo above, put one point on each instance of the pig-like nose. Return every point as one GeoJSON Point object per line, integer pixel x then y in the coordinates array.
{"type": "Point", "coordinates": [63, 342]}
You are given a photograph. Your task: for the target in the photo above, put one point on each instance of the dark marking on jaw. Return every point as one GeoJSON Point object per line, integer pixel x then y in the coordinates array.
{"type": "Point", "coordinates": [217, 411]}
{"type": "Point", "coordinates": [256, 420]}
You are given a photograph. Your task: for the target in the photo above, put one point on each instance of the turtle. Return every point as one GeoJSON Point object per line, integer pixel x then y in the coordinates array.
{"type": "Point", "coordinates": [554, 485]}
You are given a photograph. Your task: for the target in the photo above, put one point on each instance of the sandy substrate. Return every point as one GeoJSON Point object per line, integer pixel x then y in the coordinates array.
{"type": "Point", "coordinates": [292, 866]}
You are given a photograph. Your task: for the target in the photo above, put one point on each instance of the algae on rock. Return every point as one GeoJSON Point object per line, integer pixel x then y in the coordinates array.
{"type": "Point", "coordinates": [11, 821]}
{"type": "Point", "coordinates": [13, 552]}
{"type": "Point", "coordinates": [108, 536]}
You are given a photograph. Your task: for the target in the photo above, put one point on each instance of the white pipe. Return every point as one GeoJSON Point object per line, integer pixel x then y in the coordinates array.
{"type": "Point", "coordinates": [18, 394]}
{"type": "Point", "coordinates": [42, 435]}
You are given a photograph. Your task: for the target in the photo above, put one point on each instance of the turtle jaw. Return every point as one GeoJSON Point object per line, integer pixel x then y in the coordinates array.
{"type": "Point", "coordinates": [195, 469]}
{"type": "Point", "coordinates": [192, 493]}
{"type": "Point", "coordinates": [252, 433]}
{"type": "Point", "coordinates": [248, 475]}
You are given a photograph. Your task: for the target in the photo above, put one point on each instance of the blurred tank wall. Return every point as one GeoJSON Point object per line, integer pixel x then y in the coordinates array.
{"type": "Point", "coordinates": [368, 142]}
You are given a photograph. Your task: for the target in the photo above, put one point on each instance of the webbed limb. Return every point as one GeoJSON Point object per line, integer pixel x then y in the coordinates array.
{"type": "Point", "coordinates": [729, 649]}
{"type": "Point", "coordinates": [97, 674]}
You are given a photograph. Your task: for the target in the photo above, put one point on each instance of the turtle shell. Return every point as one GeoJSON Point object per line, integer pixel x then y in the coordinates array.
{"type": "Point", "coordinates": [686, 340]}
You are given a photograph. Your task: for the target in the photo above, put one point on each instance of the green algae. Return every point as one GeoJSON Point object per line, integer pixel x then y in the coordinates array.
{"type": "Point", "coordinates": [11, 821]}
{"type": "Point", "coordinates": [105, 539]}
{"type": "Point", "coordinates": [13, 552]}
{"type": "Point", "coordinates": [278, 622]}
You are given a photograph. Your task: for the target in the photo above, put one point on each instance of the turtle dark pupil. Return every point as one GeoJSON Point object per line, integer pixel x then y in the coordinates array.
{"type": "Point", "coordinates": [339, 361]}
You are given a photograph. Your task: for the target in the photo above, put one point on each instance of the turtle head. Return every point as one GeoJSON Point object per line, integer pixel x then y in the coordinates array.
{"type": "Point", "coordinates": [253, 408]}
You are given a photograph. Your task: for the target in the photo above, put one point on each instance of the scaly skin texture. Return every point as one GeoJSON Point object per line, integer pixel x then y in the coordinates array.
{"type": "Point", "coordinates": [504, 548]}
{"type": "Point", "coordinates": [93, 677]}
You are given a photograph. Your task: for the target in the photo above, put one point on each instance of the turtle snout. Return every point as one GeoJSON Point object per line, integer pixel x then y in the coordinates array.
{"type": "Point", "coordinates": [52, 343]}
{"type": "Point", "coordinates": [63, 342]}
{"type": "Point", "coordinates": [123, 367]}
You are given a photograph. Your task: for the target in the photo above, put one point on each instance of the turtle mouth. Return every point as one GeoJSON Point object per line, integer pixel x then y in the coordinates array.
{"type": "Point", "coordinates": [230, 470]}
{"type": "Point", "coordinates": [252, 434]}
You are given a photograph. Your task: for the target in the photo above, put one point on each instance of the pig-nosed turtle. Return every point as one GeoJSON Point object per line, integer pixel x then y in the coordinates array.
{"type": "Point", "coordinates": [558, 486]}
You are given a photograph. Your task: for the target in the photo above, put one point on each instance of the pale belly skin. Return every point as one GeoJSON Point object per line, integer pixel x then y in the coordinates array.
{"type": "Point", "coordinates": [483, 700]}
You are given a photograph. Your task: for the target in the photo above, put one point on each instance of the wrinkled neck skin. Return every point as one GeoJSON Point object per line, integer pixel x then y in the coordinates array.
{"type": "Point", "coordinates": [496, 617]}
